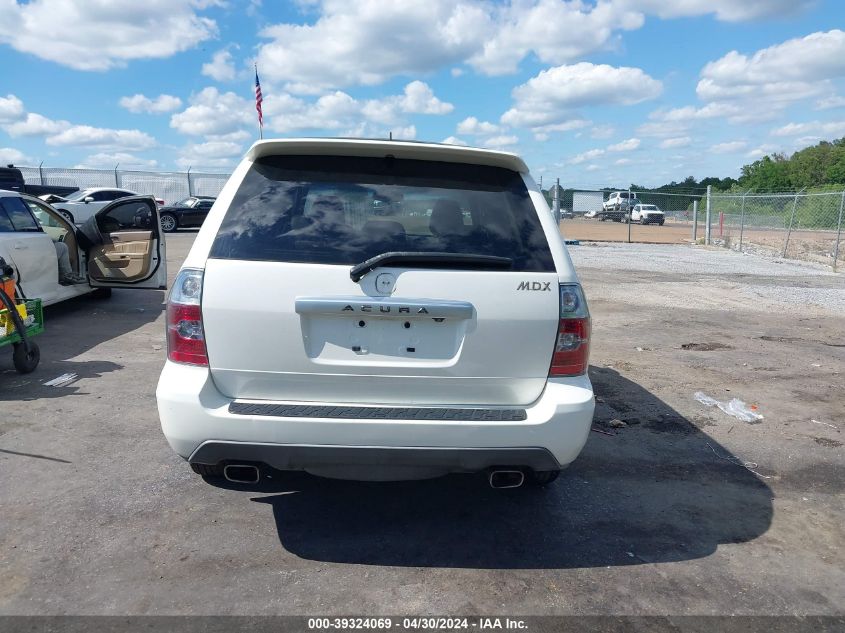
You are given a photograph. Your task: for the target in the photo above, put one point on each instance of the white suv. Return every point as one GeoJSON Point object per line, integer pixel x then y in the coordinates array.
{"type": "Point", "coordinates": [377, 310]}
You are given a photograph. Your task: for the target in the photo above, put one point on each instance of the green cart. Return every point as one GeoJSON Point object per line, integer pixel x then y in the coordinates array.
{"type": "Point", "coordinates": [18, 326]}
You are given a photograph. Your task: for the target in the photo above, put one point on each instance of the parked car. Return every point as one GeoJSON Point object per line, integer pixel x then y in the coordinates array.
{"type": "Point", "coordinates": [11, 179]}
{"type": "Point", "coordinates": [84, 204]}
{"type": "Point", "coordinates": [617, 205]}
{"type": "Point", "coordinates": [646, 214]}
{"type": "Point", "coordinates": [593, 213]}
{"type": "Point", "coordinates": [308, 330]}
{"type": "Point", "coordinates": [119, 247]}
{"type": "Point", "coordinates": [186, 213]}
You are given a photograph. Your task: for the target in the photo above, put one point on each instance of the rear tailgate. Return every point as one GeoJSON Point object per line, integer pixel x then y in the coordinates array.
{"type": "Point", "coordinates": [442, 338]}
{"type": "Point", "coordinates": [284, 321]}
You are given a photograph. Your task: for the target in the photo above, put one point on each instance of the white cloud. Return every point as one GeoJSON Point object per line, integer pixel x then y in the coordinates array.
{"type": "Point", "coordinates": [420, 99]}
{"type": "Point", "coordinates": [502, 140]}
{"type": "Point", "coordinates": [762, 150]}
{"type": "Point", "coordinates": [829, 103]}
{"type": "Point", "coordinates": [88, 136]}
{"type": "Point", "coordinates": [214, 112]}
{"type": "Point", "coordinates": [220, 68]}
{"type": "Point", "coordinates": [827, 129]}
{"type": "Point", "coordinates": [471, 125]}
{"type": "Point", "coordinates": [729, 147]}
{"type": "Point", "coordinates": [126, 160]}
{"type": "Point", "coordinates": [585, 156]}
{"type": "Point", "coordinates": [790, 71]}
{"type": "Point", "coordinates": [12, 156]}
{"type": "Point", "coordinates": [97, 35]}
{"type": "Point", "coordinates": [139, 103]}
{"type": "Point", "coordinates": [216, 154]}
{"type": "Point", "coordinates": [454, 140]}
{"type": "Point", "coordinates": [725, 10]}
{"type": "Point", "coordinates": [369, 41]}
{"type": "Point", "coordinates": [623, 161]}
{"type": "Point", "coordinates": [339, 111]}
{"type": "Point", "coordinates": [602, 131]}
{"type": "Point", "coordinates": [11, 109]}
{"type": "Point", "coordinates": [35, 125]}
{"type": "Point", "coordinates": [592, 167]}
{"type": "Point", "coordinates": [519, 28]}
{"type": "Point", "coordinates": [417, 98]}
{"type": "Point", "coordinates": [456, 72]}
{"type": "Point", "coordinates": [551, 96]}
{"type": "Point", "coordinates": [678, 141]}
{"type": "Point", "coordinates": [624, 146]}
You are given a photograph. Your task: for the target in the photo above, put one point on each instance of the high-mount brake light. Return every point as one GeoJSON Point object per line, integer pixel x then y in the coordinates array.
{"type": "Point", "coordinates": [572, 348]}
{"type": "Point", "coordinates": [185, 334]}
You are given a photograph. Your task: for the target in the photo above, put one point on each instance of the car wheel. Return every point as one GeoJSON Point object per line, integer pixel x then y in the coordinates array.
{"type": "Point", "coordinates": [208, 472]}
{"type": "Point", "coordinates": [168, 222]}
{"type": "Point", "coordinates": [643, 221]}
{"type": "Point", "coordinates": [541, 477]}
{"type": "Point", "coordinates": [26, 362]}
{"type": "Point", "coordinates": [661, 222]}
{"type": "Point", "coordinates": [101, 293]}
{"type": "Point", "coordinates": [67, 215]}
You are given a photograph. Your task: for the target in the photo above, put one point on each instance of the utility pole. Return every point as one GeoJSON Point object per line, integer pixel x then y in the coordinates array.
{"type": "Point", "coordinates": [556, 202]}
{"type": "Point", "coordinates": [707, 219]}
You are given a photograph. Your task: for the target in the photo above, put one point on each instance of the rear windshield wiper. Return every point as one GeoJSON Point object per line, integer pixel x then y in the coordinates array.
{"type": "Point", "coordinates": [430, 260]}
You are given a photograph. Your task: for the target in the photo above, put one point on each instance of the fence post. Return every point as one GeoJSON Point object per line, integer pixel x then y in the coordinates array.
{"type": "Point", "coordinates": [556, 202]}
{"type": "Point", "coordinates": [629, 215]}
{"type": "Point", "coordinates": [707, 218]}
{"type": "Point", "coordinates": [116, 177]}
{"type": "Point", "coordinates": [41, 173]}
{"type": "Point", "coordinates": [190, 189]}
{"type": "Point", "coordinates": [838, 232]}
{"type": "Point", "coordinates": [791, 221]}
{"type": "Point", "coordinates": [742, 220]}
{"type": "Point", "coordinates": [694, 221]}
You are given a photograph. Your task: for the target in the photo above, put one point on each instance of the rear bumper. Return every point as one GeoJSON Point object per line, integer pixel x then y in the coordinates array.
{"type": "Point", "coordinates": [198, 424]}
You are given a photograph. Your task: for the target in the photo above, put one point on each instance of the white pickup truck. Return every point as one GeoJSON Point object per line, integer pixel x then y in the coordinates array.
{"type": "Point", "coordinates": [617, 205]}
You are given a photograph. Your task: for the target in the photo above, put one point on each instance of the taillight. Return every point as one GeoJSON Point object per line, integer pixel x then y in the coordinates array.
{"type": "Point", "coordinates": [185, 335]}
{"type": "Point", "coordinates": [572, 347]}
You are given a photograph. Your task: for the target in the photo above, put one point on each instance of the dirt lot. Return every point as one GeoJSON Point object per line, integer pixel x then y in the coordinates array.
{"type": "Point", "coordinates": [659, 517]}
{"type": "Point", "coordinates": [815, 246]}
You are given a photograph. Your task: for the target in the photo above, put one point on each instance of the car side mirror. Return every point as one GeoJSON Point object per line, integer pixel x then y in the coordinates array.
{"type": "Point", "coordinates": [143, 219]}
{"type": "Point", "coordinates": [89, 199]}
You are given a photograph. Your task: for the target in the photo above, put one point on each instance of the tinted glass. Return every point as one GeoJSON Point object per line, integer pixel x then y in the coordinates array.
{"type": "Point", "coordinates": [343, 210]}
{"type": "Point", "coordinates": [130, 216]}
{"type": "Point", "coordinates": [19, 215]}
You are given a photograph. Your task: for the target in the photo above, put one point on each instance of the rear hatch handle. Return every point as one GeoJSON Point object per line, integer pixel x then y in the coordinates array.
{"type": "Point", "coordinates": [430, 260]}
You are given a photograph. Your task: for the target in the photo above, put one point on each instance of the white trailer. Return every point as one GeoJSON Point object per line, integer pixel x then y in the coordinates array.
{"type": "Point", "coordinates": [585, 201]}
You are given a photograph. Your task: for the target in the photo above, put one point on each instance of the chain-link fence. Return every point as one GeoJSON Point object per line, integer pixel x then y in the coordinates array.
{"type": "Point", "coordinates": [169, 186]}
{"type": "Point", "coordinates": [798, 225]}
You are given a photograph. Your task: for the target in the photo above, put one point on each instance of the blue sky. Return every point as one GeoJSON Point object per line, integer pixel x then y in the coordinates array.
{"type": "Point", "coordinates": [605, 92]}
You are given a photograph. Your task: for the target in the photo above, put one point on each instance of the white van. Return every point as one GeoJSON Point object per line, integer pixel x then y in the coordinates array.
{"type": "Point", "coordinates": [377, 310]}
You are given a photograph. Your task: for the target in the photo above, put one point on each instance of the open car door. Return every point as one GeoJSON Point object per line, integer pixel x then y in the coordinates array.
{"type": "Point", "coordinates": [125, 247]}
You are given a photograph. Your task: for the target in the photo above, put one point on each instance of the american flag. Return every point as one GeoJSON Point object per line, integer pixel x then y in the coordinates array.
{"type": "Point", "coordinates": [258, 99]}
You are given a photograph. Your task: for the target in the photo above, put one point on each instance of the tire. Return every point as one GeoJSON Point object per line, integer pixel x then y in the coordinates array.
{"type": "Point", "coordinates": [208, 472]}
{"type": "Point", "coordinates": [169, 223]}
{"type": "Point", "coordinates": [101, 293]}
{"type": "Point", "coordinates": [26, 363]}
{"type": "Point", "coordinates": [661, 222]}
{"type": "Point", "coordinates": [541, 477]}
{"type": "Point", "coordinates": [643, 222]}
{"type": "Point", "coordinates": [67, 215]}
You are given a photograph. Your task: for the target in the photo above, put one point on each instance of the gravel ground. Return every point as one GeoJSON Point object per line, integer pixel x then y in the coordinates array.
{"type": "Point", "coordinates": [656, 517]}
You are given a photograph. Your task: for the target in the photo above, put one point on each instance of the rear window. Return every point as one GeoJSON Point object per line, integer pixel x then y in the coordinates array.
{"type": "Point", "coordinates": [17, 216]}
{"type": "Point", "coordinates": [344, 210]}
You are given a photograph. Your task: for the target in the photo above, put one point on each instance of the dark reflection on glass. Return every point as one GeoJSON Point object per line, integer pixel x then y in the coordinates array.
{"type": "Point", "coordinates": [343, 210]}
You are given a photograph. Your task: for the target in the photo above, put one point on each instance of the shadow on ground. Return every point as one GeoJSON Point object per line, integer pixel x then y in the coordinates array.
{"type": "Point", "coordinates": [653, 492]}
{"type": "Point", "coordinates": [72, 328]}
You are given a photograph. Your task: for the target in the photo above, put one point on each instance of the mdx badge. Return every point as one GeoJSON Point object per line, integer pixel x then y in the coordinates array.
{"type": "Point", "coordinates": [535, 285]}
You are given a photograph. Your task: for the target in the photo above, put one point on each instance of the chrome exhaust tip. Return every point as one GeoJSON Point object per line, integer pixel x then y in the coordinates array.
{"type": "Point", "coordinates": [241, 473]}
{"type": "Point", "coordinates": [502, 479]}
